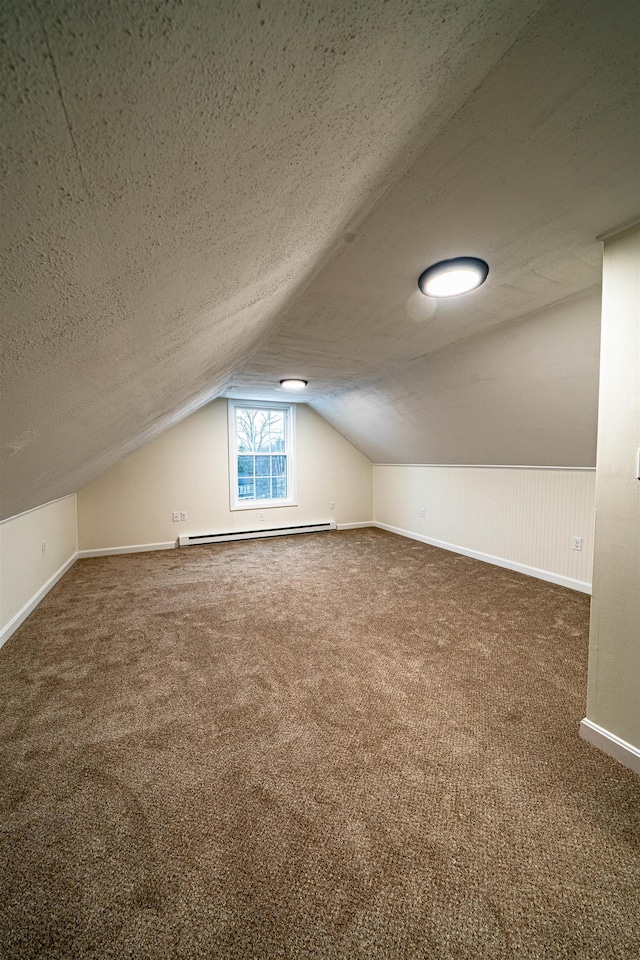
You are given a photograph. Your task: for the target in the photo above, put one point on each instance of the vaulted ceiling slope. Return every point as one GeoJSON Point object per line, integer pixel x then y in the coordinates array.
{"type": "Point", "coordinates": [201, 198]}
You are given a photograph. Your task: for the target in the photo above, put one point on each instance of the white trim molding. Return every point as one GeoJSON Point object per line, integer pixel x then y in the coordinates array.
{"type": "Point", "coordinates": [485, 466]}
{"type": "Point", "coordinates": [289, 413]}
{"type": "Point", "coordinates": [31, 604]}
{"type": "Point", "coordinates": [132, 548]}
{"type": "Point", "coordinates": [40, 506]}
{"type": "Point", "coordinates": [547, 575]}
{"type": "Point", "coordinates": [625, 753]}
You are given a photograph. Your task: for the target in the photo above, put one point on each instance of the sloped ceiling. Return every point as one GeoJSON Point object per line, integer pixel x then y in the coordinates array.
{"type": "Point", "coordinates": [201, 198]}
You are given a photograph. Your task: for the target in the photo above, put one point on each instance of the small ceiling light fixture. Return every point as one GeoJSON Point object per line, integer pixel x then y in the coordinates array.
{"type": "Point", "coordinates": [450, 278]}
{"type": "Point", "coordinates": [293, 384]}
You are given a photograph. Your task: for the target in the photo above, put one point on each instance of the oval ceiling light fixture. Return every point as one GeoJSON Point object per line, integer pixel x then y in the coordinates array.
{"type": "Point", "coordinates": [450, 278]}
{"type": "Point", "coordinates": [293, 384]}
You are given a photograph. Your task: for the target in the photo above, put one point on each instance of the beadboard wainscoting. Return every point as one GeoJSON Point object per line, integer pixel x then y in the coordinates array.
{"type": "Point", "coordinates": [524, 518]}
{"type": "Point", "coordinates": [36, 548]}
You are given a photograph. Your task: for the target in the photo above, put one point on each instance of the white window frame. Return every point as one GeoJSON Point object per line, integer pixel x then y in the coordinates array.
{"type": "Point", "coordinates": [289, 410]}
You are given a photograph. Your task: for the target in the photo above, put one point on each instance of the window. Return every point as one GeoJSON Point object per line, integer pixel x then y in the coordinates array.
{"type": "Point", "coordinates": [261, 454]}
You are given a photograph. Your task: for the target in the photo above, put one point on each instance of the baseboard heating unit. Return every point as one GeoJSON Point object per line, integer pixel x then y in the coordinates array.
{"type": "Point", "coordinates": [255, 534]}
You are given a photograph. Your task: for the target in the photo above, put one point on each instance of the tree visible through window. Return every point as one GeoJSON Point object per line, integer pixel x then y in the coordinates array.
{"type": "Point", "coordinates": [261, 452]}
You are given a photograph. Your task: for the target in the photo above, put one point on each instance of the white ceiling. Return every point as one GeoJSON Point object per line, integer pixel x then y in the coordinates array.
{"type": "Point", "coordinates": [201, 198]}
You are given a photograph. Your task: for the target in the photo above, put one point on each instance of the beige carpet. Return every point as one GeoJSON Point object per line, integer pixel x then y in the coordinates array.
{"type": "Point", "coordinates": [345, 745]}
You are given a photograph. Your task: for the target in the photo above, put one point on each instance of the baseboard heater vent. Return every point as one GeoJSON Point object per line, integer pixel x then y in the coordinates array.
{"type": "Point", "coordinates": [255, 534]}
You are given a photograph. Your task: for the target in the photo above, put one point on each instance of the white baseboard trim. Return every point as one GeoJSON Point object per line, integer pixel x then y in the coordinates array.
{"type": "Point", "coordinates": [30, 606]}
{"type": "Point", "coordinates": [170, 545]}
{"type": "Point", "coordinates": [547, 575]}
{"type": "Point", "coordinates": [132, 548]}
{"type": "Point", "coordinates": [356, 526]}
{"type": "Point", "coordinates": [625, 753]}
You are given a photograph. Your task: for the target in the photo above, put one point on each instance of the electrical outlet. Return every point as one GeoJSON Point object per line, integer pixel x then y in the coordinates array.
{"type": "Point", "coordinates": [332, 504]}
{"type": "Point", "coordinates": [576, 543]}
{"type": "Point", "coordinates": [422, 511]}
{"type": "Point", "coordinates": [176, 516]}
{"type": "Point", "coordinates": [44, 546]}
{"type": "Point", "coordinates": [183, 514]}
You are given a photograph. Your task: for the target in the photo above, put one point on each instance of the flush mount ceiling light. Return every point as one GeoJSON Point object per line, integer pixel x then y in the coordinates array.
{"type": "Point", "coordinates": [293, 384]}
{"type": "Point", "coordinates": [450, 278]}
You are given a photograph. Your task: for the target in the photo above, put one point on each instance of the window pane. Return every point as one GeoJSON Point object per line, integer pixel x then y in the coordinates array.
{"type": "Point", "coordinates": [276, 432]}
{"type": "Point", "coordinates": [263, 488]}
{"type": "Point", "coordinates": [278, 466]}
{"type": "Point", "coordinates": [261, 429]}
{"type": "Point", "coordinates": [262, 466]}
{"type": "Point", "coordinates": [246, 489]}
{"type": "Point", "coordinates": [279, 488]}
{"type": "Point", "coordinates": [258, 443]}
{"type": "Point", "coordinates": [245, 466]}
{"type": "Point", "coordinates": [245, 429]}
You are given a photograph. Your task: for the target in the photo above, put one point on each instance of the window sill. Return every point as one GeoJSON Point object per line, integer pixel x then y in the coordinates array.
{"type": "Point", "coordinates": [264, 505]}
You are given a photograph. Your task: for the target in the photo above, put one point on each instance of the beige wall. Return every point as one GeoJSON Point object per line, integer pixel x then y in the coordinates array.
{"type": "Point", "coordinates": [25, 571]}
{"type": "Point", "coordinates": [525, 517]}
{"type": "Point", "coordinates": [614, 660]}
{"type": "Point", "coordinates": [187, 469]}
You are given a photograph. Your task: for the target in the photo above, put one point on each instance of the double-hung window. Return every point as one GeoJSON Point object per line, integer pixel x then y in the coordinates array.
{"type": "Point", "coordinates": [261, 454]}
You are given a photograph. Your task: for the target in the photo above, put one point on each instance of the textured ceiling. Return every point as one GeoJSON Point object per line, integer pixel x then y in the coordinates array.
{"type": "Point", "coordinates": [202, 198]}
{"type": "Point", "coordinates": [502, 397]}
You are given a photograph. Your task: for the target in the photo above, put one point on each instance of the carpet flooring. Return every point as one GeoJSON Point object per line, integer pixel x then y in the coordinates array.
{"type": "Point", "coordinates": [346, 745]}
